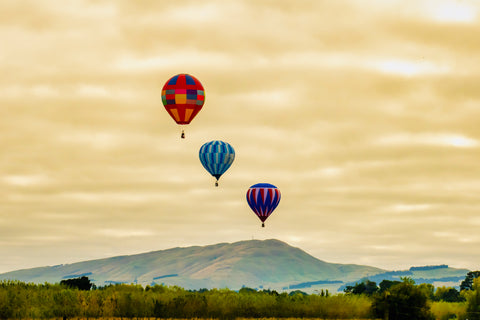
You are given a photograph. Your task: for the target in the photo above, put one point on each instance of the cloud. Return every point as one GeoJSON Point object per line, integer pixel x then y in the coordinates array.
{"type": "Point", "coordinates": [411, 207]}
{"type": "Point", "coordinates": [432, 139]}
{"type": "Point", "coordinates": [451, 11]}
{"type": "Point", "coordinates": [365, 119]}
{"type": "Point", "coordinates": [26, 180]}
{"type": "Point", "coordinates": [408, 68]}
{"type": "Point", "coordinates": [116, 233]}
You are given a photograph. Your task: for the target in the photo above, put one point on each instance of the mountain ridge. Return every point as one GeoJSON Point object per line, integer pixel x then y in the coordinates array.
{"type": "Point", "coordinates": [267, 263]}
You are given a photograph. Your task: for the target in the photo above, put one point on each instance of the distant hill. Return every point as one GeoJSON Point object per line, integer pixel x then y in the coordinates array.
{"type": "Point", "coordinates": [267, 264]}
{"type": "Point", "coordinates": [440, 275]}
{"type": "Point", "coordinates": [253, 263]}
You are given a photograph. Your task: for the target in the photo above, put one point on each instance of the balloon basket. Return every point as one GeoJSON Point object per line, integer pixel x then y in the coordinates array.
{"type": "Point", "coordinates": [183, 135]}
{"type": "Point", "coordinates": [216, 183]}
{"type": "Point", "coordinates": [263, 225]}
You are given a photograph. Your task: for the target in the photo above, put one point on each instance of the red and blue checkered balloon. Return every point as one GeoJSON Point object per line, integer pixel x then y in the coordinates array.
{"type": "Point", "coordinates": [263, 198]}
{"type": "Point", "coordinates": [183, 97]}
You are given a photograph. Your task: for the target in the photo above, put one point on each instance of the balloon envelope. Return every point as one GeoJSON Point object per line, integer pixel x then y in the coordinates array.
{"type": "Point", "coordinates": [183, 97]}
{"type": "Point", "coordinates": [216, 157]}
{"type": "Point", "coordinates": [263, 198]}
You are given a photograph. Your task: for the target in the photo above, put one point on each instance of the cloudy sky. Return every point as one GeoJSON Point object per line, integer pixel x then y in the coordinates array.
{"type": "Point", "coordinates": [365, 114]}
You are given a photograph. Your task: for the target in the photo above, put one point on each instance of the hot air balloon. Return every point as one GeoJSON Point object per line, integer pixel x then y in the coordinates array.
{"type": "Point", "coordinates": [183, 97]}
{"type": "Point", "coordinates": [263, 198]}
{"type": "Point", "coordinates": [216, 156]}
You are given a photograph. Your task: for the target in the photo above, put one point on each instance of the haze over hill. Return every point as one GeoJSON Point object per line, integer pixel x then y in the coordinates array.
{"type": "Point", "coordinates": [253, 263]}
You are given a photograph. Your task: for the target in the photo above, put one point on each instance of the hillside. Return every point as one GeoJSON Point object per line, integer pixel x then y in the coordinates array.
{"type": "Point", "coordinates": [268, 264]}
{"type": "Point", "coordinates": [254, 263]}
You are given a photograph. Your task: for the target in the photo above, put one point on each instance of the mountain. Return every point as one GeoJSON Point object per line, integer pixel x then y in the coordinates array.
{"type": "Point", "coordinates": [267, 264]}
{"type": "Point", "coordinates": [253, 263]}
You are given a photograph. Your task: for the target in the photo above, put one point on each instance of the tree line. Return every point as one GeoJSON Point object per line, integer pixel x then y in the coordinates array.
{"type": "Point", "coordinates": [393, 300]}
{"type": "Point", "coordinates": [21, 300]}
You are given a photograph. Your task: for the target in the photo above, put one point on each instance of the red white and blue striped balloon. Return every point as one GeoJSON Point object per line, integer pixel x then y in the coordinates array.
{"type": "Point", "coordinates": [263, 198]}
{"type": "Point", "coordinates": [216, 157]}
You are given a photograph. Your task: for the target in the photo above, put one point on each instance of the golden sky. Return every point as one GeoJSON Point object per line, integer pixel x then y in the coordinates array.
{"type": "Point", "coordinates": [365, 114]}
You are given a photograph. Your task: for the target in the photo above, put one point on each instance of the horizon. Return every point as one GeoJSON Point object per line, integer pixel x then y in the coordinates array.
{"type": "Point", "coordinates": [229, 243]}
{"type": "Point", "coordinates": [364, 117]}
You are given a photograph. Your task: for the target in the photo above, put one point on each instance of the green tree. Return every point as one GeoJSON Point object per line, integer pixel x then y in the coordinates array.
{"type": "Point", "coordinates": [403, 301]}
{"type": "Point", "coordinates": [428, 289]}
{"type": "Point", "coordinates": [246, 290]}
{"type": "Point", "coordinates": [6, 311]}
{"type": "Point", "coordinates": [82, 283]}
{"type": "Point", "coordinates": [473, 301]}
{"type": "Point", "coordinates": [467, 284]}
{"type": "Point", "coordinates": [448, 294]}
{"type": "Point", "coordinates": [66, 304]}
{"type": "Point", "coordinates": [387, 284]}
{"type": "Point", "coordinates": [94, 303]}
{"type": "Point", "coordinates": [109, 302]}
{"type": "Point", "coordinates": [159, 309]}
{"type": "Point", "coordinates": [365, 287]}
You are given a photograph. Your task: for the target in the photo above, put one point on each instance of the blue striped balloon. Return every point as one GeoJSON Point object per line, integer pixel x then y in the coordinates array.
{"type": "Point", "coordinates": [216, 157]}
